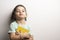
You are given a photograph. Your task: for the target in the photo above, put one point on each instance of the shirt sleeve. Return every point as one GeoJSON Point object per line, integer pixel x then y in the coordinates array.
{"type": "Point", "coordinates": [11, 29]}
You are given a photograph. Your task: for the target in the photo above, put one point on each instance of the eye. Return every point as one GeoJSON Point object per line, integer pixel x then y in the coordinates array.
{"type": "Point", "coordinates": [22, 11]}
{"type": "Point", "coordinates": [17, 11]}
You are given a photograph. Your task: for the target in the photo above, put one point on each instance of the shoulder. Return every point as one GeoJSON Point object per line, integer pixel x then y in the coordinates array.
{"type": "Point", "coordinates": [13, 23]}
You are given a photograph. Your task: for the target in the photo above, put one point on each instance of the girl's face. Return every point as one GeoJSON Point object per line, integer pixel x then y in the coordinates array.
{"type": "Point", "coordinates": [20, 13]}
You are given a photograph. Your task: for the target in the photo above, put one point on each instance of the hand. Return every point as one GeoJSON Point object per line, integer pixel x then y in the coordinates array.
{"type": "Point", "coordinates": [26, 35]}
{"type": "Point", "coordinates": [17, 33]}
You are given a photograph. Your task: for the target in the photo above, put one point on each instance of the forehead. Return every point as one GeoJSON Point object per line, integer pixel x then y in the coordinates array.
{"type": "Point", "coordinates": [20, 8]}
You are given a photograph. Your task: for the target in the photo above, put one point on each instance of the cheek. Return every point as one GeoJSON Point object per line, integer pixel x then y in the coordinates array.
{"type": "Point", "coordinates": [25, 14]}
{"type": "Point", "coordinates": [16, 14]}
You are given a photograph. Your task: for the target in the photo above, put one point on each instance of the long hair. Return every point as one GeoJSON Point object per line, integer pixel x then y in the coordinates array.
{"type": "Point", "coordinates": [13, 18]}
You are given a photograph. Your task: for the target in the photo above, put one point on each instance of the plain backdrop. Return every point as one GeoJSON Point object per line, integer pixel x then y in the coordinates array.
{"type": "Point", "coordinates": [43, 16]}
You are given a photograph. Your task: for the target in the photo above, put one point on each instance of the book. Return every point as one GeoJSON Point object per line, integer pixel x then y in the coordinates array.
{"type": "Point", "coordinates": [21, 29]}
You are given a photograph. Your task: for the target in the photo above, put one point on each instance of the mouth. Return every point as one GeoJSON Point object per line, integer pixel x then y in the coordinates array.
{"type": "Point", "coordinates": [20, 14]}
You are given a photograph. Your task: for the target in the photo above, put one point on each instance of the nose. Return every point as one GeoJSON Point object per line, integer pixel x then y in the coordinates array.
{"type": "Point", "coordinates": [20, 13]}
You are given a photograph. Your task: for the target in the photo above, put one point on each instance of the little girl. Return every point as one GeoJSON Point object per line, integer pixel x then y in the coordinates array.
{"type": "Point", "coordinates": [18, 18]}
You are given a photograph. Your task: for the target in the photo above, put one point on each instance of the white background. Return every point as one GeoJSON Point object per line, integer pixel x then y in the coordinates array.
{"type": "Point", "coordinates": [43, 16]}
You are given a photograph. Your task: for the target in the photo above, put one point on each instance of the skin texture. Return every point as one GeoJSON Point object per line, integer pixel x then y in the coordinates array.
{"type": "Point", "coordinates": [20, 15]}
{"type": "Point", "coordinates": [20, 36]}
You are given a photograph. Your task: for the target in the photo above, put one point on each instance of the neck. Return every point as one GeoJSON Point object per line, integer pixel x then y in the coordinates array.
{"type": "Point", "coordinates": [22, 21]}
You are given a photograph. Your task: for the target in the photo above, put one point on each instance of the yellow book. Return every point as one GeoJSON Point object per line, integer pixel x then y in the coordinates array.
{"type": "Point", "coordinates": [21, 29]}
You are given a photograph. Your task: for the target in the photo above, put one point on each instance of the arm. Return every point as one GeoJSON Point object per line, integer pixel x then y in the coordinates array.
{"type": "Point", "coordinates": [14, 36]}
{"type": "Point", "coordinates": [12, 32]}
{"type": "Point", "coordinates": [29, 36]}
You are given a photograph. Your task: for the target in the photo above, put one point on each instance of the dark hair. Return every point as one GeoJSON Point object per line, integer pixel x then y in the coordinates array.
{"type": "Point", "coordinates": [13, 18]}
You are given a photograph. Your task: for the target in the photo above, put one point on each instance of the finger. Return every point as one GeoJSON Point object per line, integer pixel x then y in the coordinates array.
{"type": "Point", "coordinates": [20, 31]}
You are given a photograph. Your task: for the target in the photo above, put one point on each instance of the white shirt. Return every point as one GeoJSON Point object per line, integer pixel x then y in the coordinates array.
{"type": "Point", "coordinates": [14, 25]}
